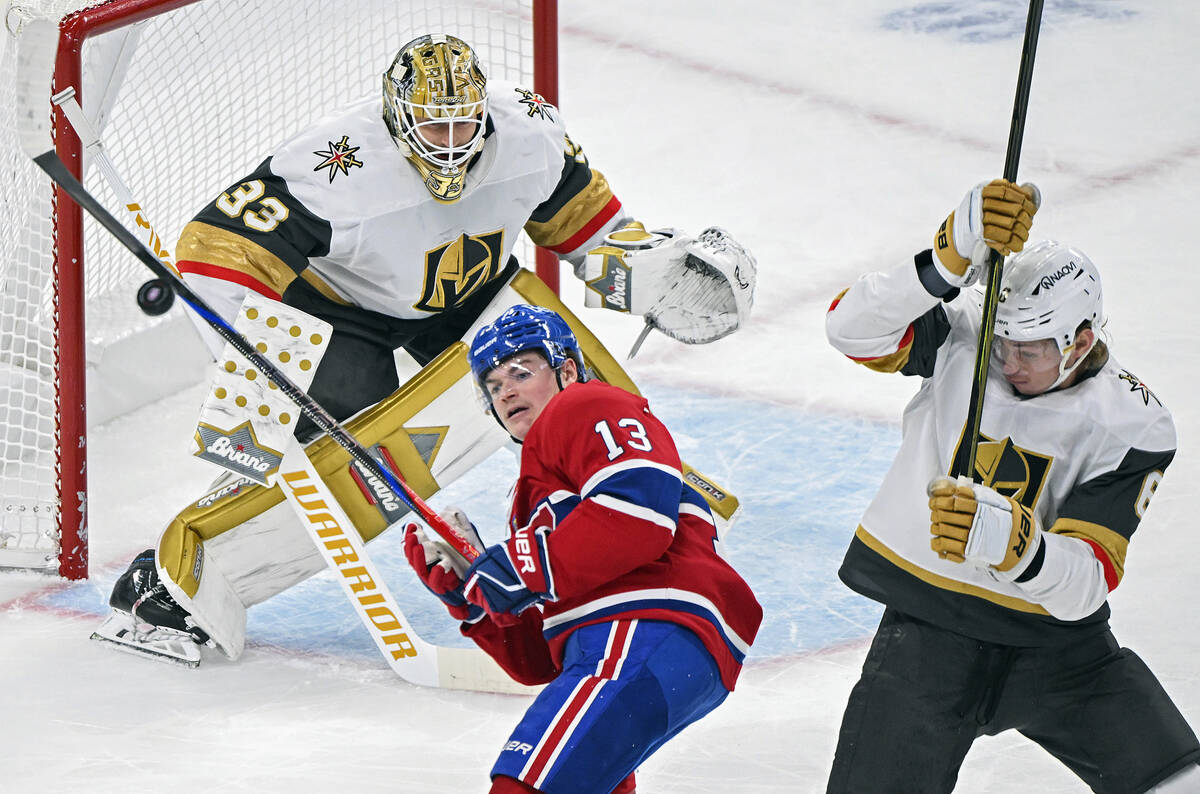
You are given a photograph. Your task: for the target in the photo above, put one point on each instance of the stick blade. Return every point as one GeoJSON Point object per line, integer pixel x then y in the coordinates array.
{"type": "Point", "coordinates": [36, 42]}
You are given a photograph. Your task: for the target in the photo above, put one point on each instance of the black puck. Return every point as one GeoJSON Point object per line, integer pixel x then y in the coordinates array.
{"type": "Point", "coordinates": [155, 297]}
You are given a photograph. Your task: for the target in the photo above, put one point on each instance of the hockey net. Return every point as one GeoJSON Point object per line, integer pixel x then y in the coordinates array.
{"type": "Point", "coordinates": [187, 95]}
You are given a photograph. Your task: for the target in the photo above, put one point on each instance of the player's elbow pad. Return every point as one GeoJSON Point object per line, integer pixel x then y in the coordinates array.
{"type": "Point", "coordinates": [1070, 582]}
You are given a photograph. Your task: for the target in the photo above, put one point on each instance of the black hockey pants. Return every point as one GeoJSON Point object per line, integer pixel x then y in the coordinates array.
{"type": "Point", "coordinates": [926, 693]}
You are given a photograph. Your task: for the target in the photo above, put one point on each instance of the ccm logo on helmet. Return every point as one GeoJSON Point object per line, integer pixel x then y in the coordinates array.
{"type": "Point", "coordinates": [1050, 279]}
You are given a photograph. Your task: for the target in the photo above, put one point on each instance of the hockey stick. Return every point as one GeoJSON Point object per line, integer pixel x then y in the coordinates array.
{"type": "Point", "coordinates": [92, 144]}
{"type": "Point", "coordinates": [964, 460]}
{"type": "Point", "coordinates": [36, 48]}
{"type": "Point", "coordinates": [154, 297]}
{"type": "Point", "coordinates": [344, 551]}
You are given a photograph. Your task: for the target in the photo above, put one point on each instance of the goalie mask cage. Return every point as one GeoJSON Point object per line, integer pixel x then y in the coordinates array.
{"type": "Point", "coordinates": [187, 96]}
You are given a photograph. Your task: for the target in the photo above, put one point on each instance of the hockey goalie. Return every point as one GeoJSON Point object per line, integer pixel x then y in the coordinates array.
{"type": "Point", "coordinates": [394, 220]}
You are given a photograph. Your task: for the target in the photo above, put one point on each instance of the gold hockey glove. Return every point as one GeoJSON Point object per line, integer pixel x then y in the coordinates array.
{"type": "Point", "coordinates": [974, 523]}
{"type": "Point", "coordinates": [995, 214]}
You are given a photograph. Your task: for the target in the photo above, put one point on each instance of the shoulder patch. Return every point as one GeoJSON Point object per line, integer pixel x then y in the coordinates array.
{"type": "Point", "coordinates": [535, 104]}
{"type": "Point", "coordinates": [338, 158]}
{"type": "Point", "coordinates": [1136, 385]}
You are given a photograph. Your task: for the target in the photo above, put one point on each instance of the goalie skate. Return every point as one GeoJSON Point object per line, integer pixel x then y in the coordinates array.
{"type": "Point", "coordinates": [147, 620]}
{"type": "Point", "coordinates": [124, 633]}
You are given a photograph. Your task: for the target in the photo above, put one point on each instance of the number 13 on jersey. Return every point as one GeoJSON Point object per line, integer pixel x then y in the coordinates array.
{"type": "Point", "coordinates": [632, 432]}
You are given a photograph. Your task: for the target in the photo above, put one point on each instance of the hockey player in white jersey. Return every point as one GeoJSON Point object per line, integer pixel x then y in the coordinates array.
{"type": "Point", "coordinates": [394, 220]}
{"type": "Point", "coordinates": [996, 592]}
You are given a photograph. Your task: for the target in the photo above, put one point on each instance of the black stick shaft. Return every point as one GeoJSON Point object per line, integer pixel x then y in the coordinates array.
{"type": "Point", "coordinates": [964, 462]}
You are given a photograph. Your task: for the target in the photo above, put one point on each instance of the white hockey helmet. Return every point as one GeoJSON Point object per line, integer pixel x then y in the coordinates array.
{"type": "Point", "coordinates": [1046, 292]}
{"type": "Point", "coordinates": [435, 106]}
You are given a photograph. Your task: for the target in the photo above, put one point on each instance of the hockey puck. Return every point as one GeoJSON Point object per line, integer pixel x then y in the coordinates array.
{"type": "Point", "coordinates": [155, 297]}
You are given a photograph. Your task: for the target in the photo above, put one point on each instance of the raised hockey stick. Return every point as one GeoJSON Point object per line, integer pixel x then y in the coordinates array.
{"type": "Point", "coordinates": [964, 459]}
{"type": "Point", "coordinates": [36, 47]}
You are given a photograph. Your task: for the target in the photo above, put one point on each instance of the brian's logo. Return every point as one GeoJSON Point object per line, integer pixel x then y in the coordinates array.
{"type": "Point", "coordinates": [613, 282]}
{"type": "Point", "coordinates": [238, 450]}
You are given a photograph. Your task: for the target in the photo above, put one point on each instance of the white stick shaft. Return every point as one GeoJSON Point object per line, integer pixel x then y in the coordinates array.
{"type": "Point", "coordinates": [94, 148]}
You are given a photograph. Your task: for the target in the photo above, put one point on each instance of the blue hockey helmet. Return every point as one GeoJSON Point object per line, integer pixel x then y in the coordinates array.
{"type": "Point", "coordinates": [523, 327]}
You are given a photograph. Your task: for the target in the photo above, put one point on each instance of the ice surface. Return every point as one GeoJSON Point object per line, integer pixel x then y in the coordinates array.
{"type": "Point", "coordinates": [831, 139]}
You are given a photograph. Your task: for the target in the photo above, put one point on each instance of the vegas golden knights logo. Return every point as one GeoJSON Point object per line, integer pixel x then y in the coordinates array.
{"type": "Point", "coordinates": [457, 269]}
{"type": "Point", "coordinates": [1011, 470]}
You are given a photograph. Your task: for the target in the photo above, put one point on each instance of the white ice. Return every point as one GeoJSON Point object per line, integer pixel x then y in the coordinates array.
{"type": "Point", "coordinates": [832, 138]}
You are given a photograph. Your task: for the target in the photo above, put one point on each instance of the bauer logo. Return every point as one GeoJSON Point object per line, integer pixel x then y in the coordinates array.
{"type": "Point", "coordinates": [514, 746]}
{"type": "Point", "coordinates": [238, 451]}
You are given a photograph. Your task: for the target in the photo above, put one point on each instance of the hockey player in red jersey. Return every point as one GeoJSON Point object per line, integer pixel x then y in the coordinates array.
{"type": "Point", "coordinates": [996, 592]}
{"type": "Point", "coordinates": [609, 585]}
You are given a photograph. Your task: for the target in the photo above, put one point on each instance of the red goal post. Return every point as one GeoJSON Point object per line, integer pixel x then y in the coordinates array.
{"type": "Point", "coordinates": [186, 96]}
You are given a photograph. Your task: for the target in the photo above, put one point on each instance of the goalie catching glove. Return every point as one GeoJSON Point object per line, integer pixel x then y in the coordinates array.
{"type": "Point", "coordinates": [993, 215]}
{"type": "Point", "coordinates": [442, 569]}
{"type": "Point", "coordinates": [974, 523]}
{"type": "Point", "coordinates": [694, 290]}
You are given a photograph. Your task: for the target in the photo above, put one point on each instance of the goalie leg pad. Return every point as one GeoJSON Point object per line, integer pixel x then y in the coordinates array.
{"type": "Point", "coordinates": [242, 543]}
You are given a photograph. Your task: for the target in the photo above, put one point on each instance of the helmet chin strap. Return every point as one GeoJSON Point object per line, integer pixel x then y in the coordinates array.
{"type": "Point", "coordinates": [1064, 371]}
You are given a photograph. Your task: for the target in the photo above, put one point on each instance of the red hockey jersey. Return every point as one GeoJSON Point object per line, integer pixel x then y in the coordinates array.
{"type": "Point", "coordinates": [630, 538]}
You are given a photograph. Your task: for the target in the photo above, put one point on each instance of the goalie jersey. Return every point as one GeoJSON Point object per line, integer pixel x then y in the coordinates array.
{"type": "Point", "coordinates": [1086, 459]}
{"type": "Point", "coordinates": [628, 539]}
{"type": "Point", "coordinates": [339, 210]}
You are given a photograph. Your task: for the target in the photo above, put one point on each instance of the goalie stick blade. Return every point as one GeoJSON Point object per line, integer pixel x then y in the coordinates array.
{"type": "Point", "coordinates": [117, 633]}
{"type": "Point", "coordinates": [37, 45]}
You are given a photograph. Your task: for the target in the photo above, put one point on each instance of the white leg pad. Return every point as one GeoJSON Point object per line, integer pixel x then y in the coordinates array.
{"type": "Point", "coordinates": [216, 608]}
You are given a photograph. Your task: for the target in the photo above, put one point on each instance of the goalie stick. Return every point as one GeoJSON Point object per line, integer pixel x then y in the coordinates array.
{"type": "Point", "coordinates": [36, 48]}
{"type": "Point", "coordinates": [155, 296]}
{"type": "Point", "coordinates": [964, 459]}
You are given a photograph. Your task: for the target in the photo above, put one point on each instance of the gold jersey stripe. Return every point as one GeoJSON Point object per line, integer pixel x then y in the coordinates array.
{"type": "Point", "coordinates": [942, 582]}
{"type": "Point", "coordinates": [579, 210]}
{"type": "Point", "coordinates": [1114, 544]}
{"type": "Point", "coordinates": [202, 242]}
{"type": "Point", "coordinates": [322, 286]}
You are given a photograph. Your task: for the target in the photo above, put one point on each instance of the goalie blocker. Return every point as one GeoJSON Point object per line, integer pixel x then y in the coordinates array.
{"type": "Point", "coordinates": [241, 543]}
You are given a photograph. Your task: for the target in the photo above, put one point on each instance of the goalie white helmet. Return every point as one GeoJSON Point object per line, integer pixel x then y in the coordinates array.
{"type": "Point", "coordinates": [435, 106]}
{"type": "Point", "coordinates": [1047, 291]}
